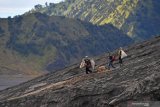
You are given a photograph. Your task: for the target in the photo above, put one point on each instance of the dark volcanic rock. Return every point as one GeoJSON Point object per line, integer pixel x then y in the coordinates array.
{"type": "Point", "coordinates": [137, 80]}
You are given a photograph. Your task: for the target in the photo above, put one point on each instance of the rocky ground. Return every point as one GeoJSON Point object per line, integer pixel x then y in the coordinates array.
{"type": "Point", "coordinates": [137, 80]}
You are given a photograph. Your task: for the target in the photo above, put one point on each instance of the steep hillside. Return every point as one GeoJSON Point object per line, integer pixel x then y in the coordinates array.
{"type": "Point", "coordinates": [139, 19]}
{"type": "Point", "coordinates": [137, 80]}
{"type": "Point", "coordinates": [37, 42]}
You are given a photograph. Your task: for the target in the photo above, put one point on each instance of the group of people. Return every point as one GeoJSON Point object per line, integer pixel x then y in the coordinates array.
{"type": "Point", "coordinates": [89, 63]}
{"type": "Point", "coordinates": [112, 58]}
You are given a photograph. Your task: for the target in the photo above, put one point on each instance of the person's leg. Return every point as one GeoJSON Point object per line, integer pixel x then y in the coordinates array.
{"type": "Point", "coordinates": [109, 65]}
{"type": "Point", "coordinates": [112, 65]}
{"type": "Point", "coordinates": [120, 61]}
{"type": "Point", "coordinates": [89, 70]}
{"type": "Point", "coordinates": [86, 70]}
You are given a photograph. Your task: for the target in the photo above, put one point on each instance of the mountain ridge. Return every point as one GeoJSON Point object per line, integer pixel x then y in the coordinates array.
{"type": "Point", "coordinates": [134, 17]}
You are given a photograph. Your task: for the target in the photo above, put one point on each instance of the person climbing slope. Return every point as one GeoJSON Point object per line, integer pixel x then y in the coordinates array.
{"type": "Point", "coordinates": [111, 59]}
{"type": "Point", "coordinates": [121, 55]}
{"type": "Point", "coordinates": [88, 65]}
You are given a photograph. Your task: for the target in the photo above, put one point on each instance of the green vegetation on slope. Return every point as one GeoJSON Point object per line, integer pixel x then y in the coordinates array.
{"type": "Point", "coordinates": [36, 42]}
{"type": "Point", "coordinates": [131, 16]}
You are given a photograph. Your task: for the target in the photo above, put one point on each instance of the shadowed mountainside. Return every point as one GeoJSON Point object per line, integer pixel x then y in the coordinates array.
{"type": "Point", "coordinates": [139, 19]}
{"type": "Point", "coordinates": [137, 80]}
{"type": "Point", "coordinates": [36, 42]}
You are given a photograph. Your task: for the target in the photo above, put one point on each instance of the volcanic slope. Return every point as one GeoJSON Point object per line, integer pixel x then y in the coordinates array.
{"type": "Point", "coordinates": [137, 80]}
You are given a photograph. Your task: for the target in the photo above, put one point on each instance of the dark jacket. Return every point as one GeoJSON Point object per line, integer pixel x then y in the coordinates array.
{"type": "Point", "coordinates": [88, 63]}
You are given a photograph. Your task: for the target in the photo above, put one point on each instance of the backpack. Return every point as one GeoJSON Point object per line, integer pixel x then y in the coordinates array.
{"type": "Point", "coordinates": [93, 63]}
{"type": "Point", "coordinates": [123, 54]}
{"type": "Point", "coordinates": [82, 64]}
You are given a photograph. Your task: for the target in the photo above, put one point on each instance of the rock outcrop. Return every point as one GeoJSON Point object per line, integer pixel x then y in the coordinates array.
{"type": "Point", "coordinates": [137, 80]}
